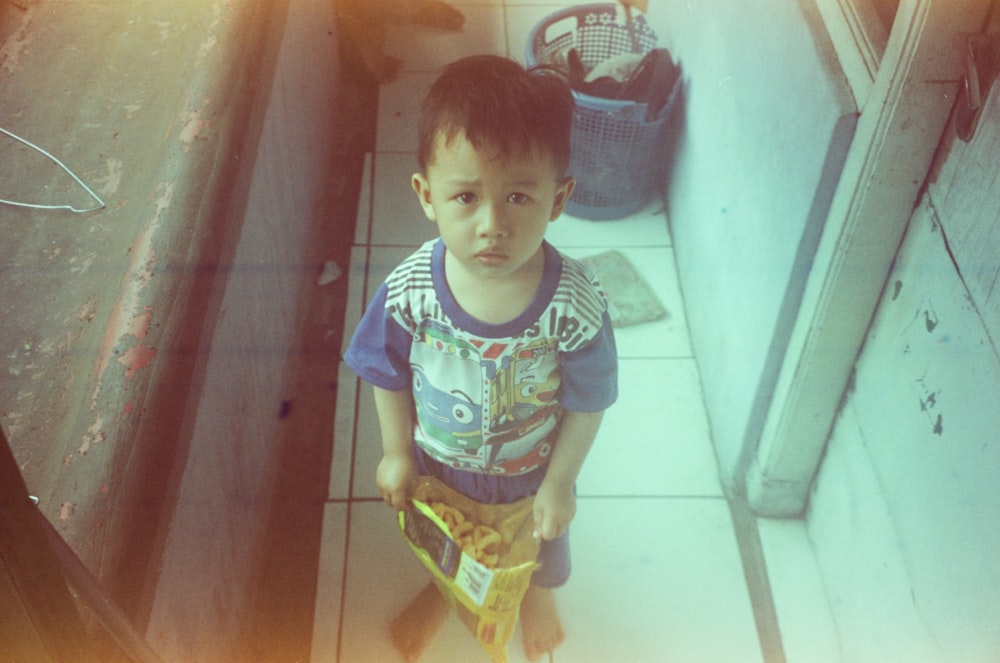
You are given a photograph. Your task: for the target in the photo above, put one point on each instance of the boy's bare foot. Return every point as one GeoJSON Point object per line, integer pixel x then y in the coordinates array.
{"type": "Point", "coordinates": [540, 625]}
{"type": "Point", "coordinates": [413, 628]}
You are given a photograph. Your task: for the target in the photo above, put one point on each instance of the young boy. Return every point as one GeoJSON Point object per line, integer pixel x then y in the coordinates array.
{"type": "Point", "coordinates": [491, 354]}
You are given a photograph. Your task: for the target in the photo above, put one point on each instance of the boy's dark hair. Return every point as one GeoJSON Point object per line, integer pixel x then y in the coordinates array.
{"type": "Point", "coordinates": [499, 104]}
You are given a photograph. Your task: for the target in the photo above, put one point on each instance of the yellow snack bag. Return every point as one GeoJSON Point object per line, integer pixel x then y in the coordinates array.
{"type": "Point", "coordinates": [481, 555]}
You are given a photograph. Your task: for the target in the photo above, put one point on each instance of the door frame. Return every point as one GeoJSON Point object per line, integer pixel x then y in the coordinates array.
{"type": "Point", "coordinates": [902, 118]}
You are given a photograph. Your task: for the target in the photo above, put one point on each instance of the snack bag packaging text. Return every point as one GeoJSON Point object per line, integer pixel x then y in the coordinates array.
{"type": "Point", "coordinates": [486, 595]}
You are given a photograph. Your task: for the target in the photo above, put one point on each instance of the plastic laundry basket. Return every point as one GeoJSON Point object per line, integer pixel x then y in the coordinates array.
{"type": "Point", "coordinates": [616, 151]}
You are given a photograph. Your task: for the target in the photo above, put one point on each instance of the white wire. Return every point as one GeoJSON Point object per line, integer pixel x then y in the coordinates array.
{"type": "Point", "coordinates": [68, 171]}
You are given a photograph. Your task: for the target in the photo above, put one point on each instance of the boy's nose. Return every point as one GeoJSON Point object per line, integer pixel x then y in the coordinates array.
{"type": "Point", "coordinates": [491, 223]}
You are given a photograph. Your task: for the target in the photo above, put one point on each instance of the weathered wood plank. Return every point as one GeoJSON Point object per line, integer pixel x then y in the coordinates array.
{"type": "Point", "coordinates": [966, 195]}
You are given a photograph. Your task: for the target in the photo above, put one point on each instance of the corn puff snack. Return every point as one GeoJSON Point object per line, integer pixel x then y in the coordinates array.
{"type": "Point", "coordinates": [480, 542]}
{"type": "Point", "coordinates": [481, 556]}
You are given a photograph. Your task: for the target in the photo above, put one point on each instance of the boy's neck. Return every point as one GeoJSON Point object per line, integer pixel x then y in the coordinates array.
{"type": "Point", "coordinates": [494, 300]}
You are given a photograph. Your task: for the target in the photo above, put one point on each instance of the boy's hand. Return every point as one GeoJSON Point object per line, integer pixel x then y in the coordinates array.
{"type": "Point", "coordinates": [554, 508]}
{"type": "Point", "coordinates": [396, 477]}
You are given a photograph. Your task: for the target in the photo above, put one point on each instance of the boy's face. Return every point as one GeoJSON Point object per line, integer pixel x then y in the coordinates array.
{"type": "Point", "coordinates": [492, 212]}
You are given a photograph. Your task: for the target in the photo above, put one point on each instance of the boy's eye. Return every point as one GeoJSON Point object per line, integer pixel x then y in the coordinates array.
{"type": "Point", "coordinates": [517, 198]}
{"type": "Point", "coordinates": [465, 198]}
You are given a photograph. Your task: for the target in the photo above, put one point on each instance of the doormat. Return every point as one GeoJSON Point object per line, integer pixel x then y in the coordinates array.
{"type": "Point", "coordinates": [630, 299]}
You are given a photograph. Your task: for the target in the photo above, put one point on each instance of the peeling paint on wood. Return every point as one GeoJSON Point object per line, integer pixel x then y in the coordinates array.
{"type": "Point", "coordinates": [140, 272]}
{"type": "Point", "coordinates": [12, 49]}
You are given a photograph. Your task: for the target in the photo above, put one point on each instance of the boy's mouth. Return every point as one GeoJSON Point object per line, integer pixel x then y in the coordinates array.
{"type": "Point", "coordinates": [491, 257]}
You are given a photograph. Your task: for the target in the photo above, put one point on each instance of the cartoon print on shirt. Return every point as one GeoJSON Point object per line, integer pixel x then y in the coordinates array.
{"type": "Point", "coordinates": [516, 382]}
{"type": "Point", "coordinates": [453, 417]}
{"type": "Point", "coordinates": [525, 382]}
{"type": "Point", "coordinates": [515, 451]}
{"type": "Point", "coordinates": [488, 398]}
{"type": "Point", "coordinates": [488, 404]}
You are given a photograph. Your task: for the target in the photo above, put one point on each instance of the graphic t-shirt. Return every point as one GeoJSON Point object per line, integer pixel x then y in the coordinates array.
{"type": "Point", "coordinates": [488, 398]}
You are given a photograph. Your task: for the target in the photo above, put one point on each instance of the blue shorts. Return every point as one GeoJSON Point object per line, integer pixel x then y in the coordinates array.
{"type": "Point", "coordinates": [492, 489]}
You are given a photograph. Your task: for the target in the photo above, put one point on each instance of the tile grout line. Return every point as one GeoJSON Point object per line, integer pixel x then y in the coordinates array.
{"type": "Point", "coordinates": [757, 582]}
{"type": "Point", "coordinates": [713, 498]}
{"type": "Point", "coordinates": [357, 391]}
{"type": "Point", "coordinates": [665, 247]}
{"type": "Point", "coordinates": [349, 512]}
{"type": "Point", "coordinates": [348, 502]}
{"type": "Point", "coordinates": [343, 582]}
{"type": "Point", "coordinates": [651, 497]}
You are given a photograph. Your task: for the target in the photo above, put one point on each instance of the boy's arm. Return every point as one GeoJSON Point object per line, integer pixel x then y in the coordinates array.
{"type": "Point", "coordinates": [555, 502]}
{"type": "Point", "coordinates": [397, 473]}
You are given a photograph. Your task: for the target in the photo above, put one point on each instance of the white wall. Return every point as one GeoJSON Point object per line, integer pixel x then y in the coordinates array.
{"type": "Point", "coordinates": [765, 122]}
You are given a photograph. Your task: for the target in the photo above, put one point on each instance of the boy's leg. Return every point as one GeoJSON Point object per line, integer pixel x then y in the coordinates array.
{"type": "Point", "coordinates": [414, 628]}
{"type": "Point", "coordinates": [541, 627]}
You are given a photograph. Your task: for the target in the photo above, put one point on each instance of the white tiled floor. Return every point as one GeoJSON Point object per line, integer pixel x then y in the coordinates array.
{"type": "Point", "coordinates": [657, 574]}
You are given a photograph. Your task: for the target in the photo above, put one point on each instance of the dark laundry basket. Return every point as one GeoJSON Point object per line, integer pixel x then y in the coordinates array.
{"type": "Point", "coordinates": [617, 152]}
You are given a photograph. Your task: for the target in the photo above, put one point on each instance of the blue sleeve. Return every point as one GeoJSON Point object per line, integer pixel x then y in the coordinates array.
{"type": "Point", "coordinates": [590, 374]}
{"type": "Point", "coordinates": [379, 352]}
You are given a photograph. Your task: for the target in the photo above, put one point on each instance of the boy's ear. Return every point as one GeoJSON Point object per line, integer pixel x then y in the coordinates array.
{"type": "Point", "coordinates": [563, 191]}
{"type": "Point", "coordinates": [423, 191]}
